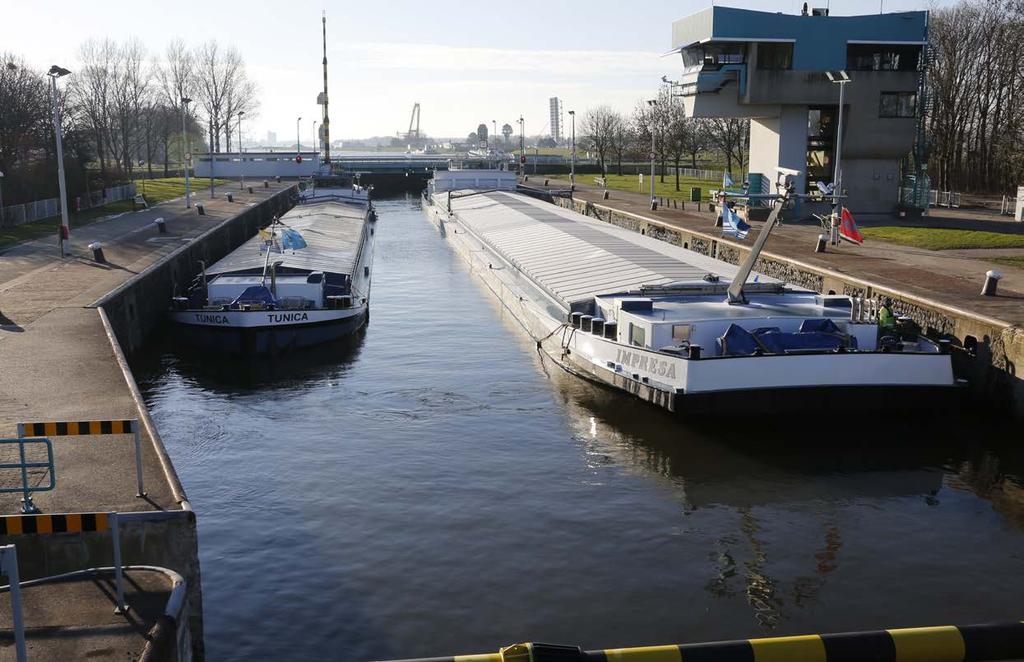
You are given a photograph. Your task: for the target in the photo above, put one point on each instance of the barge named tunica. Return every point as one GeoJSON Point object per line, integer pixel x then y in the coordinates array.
{"type": "Point", "coordinates": [303, 280]}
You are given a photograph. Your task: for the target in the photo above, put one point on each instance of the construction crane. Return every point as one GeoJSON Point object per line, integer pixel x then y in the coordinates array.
{"type": "Point", "coordinates": [412, 136]}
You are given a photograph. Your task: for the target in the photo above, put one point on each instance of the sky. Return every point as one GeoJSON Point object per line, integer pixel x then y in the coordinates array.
{"type": "Point", "coordinates": [463, 62]}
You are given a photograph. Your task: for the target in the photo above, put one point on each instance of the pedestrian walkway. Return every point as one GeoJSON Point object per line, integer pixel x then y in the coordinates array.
{"type": "Point", "coordinates": [953, 278]}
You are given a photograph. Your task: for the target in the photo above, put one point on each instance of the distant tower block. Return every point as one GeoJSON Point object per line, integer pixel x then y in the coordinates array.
{"type": "Point", "coordinates": [555, 108]}
{"type": "Point", "coordinates": [771, 68]}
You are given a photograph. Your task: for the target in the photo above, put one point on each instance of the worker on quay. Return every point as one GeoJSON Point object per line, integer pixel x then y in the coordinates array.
{"type": "Point", "coordinates": [886, 318]}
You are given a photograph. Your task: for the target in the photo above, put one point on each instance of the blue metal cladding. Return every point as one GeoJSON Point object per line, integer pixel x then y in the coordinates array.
{"type": "Point", "coordinates": [819, 41]}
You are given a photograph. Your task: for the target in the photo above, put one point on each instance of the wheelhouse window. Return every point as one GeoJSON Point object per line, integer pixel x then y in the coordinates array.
{"type": "Point", "coordinates": [898, 105]}
{"type": "Point", "coordinates": [637, 336]}
{"type": "Point", "coordinates": [882, 57]}
{"type": "Point", "coordinates": [772, 56]}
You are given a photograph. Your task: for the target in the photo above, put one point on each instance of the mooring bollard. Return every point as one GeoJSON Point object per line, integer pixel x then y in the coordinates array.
{"type": "Point", "coordinates": [605, 196]}
{"type": "Point", "coordinates": [526, 178]}
{"type": "Point", "coordinates": [266, 184]}
{"type": "Point", "coordinates": [199, 208]}
{"type": "Point", "coordinates": [97, 252]}
{"type": "Point", "coordinates": [546, 182]}
{"type": "Point", "coordinates": [654, 204]}
{"type": "Point", "coordinates": [991, 283]}
{"type": "Point", "coordinates": [160, 226]}
{"type": "Point", "coordinates": [822, 242]}
{"type": "Point", "coordinates": [278, 178]}
{"type": "Point", "coordinates": [250, 189]}
{"type": "Point", "coordinates": [231, 198]}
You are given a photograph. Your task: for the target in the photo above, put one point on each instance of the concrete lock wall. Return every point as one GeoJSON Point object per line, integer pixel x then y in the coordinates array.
{"type": "Point", "coordinates": [140, 304]}
{"type": "Point", "coordinates": [986, 351]}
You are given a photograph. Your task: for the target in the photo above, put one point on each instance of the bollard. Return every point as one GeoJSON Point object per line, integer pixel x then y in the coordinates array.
{"type": "Point", "coordinates": [820, 246]}
{"type": "Point", "coordinates": [605, 196]}
{"type": "Point", "coordinates": [278, 178]}
{"type": "Point", "coordinates": [654, 205]}
{"type": "Point", "coordinates": [199, 208]}
{"type": "Point", "coordinates": [526, 178]}
{"type": "Point", "coordinates": [991, 283]}
{"type": "Point", "coordinates": [546, 182]}
{"type": "Point", "coordinates": [231, 198]}
{"type": "Point", "coordinates": [250, 189]}
{"type": "Point", "coordinates": [682, 205]}
{"type": "Point", "coordinates": [97, 252]}
{"type": "Point", "coordinates": [266, 184]}
{"type": "Point", "coordinates": [718, 221]}
{"type": "Point", "coordinates": [160, 226]}
{"type": "Point", "coordinates": [693, 352]}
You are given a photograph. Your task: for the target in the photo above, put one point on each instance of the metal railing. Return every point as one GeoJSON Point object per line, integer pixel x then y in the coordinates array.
{"type": "Point", "coordinates": [14, 215]}
{"type": "Point", "coordinates": [936, 198]}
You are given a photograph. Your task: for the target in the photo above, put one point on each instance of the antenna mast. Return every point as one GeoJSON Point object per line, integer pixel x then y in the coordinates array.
{"type": "Point", "coordinates": [326, 125]}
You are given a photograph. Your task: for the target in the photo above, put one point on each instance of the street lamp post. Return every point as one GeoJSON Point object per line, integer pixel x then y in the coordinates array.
{"type": "Point", "coordinates": [652, 103]}
{"type": "Point", "coordinates": [494, 133]}
{"type": "Point", "coordinates": [1, 198]}
{"type": "Point", "coordinates": [840, 78]}
{"type": "Point", "coordinates": [241, 159]}
{"type": "Point", "coordinates": [522, 146]}
{"type": "Point", "coordinates": [572, 158]}
{"type": "Point", "coordinates": [316, 141]}
{"type": "Point", "coordinates": [65, 228]}
{"type": "Point", "coordinates": [186, 153]}
{"type": "Point", "coordinates": [298, 141]}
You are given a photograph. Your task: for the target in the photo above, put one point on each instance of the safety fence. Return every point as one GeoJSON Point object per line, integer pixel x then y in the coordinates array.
{"type": "Point", "coordinates": [947, 643]}
{"type": "Point", "coordinates": [1008, 205]}
{"type": "Point", "coordinates": [14, 215]}
{"type": "Point", "coordinates": [88, 428]}
{"type": "Point", "coordinates": [170, 636]}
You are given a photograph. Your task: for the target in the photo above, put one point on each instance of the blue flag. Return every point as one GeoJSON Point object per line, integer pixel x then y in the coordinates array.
{"type": "Point", "coordinates": [292, 239]}
{"type": "Point", "coordinates": [726, 180]}
{"type": "Point", "coordinates": [733, 225]}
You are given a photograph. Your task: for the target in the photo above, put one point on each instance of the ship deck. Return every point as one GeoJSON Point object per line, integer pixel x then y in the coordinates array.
{"type": "Point", "coordinates": [574, 257]}
{"type": "Point", "coordinates": [333, 232]}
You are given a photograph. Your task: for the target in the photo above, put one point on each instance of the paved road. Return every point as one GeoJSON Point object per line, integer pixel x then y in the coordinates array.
{"type": "Point", "coordinates": [57, 364]}
{"type": "Point", "coordinates": [951, 277]}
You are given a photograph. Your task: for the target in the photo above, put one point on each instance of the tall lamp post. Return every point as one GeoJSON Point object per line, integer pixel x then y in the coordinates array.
{"type": "Point", "coordinates": [54, 73]}
{"type": "Point", "coordinates": [186, 154]}
{"type": "Point", "coordinates": [494, 133]}
{"type": "Point", "coordinates": [522, 147]}
{"type": "Point", "coordinates": [840, 78]}
{"type": "Point", "coordinates": [241, 159]}
{"type": "Point", "coordinates": [1, 198]}
{"type": "Point", "coordinates": [298, 141]}
{"type": "Point", "coordinates": [652, 103]}
{"type": "Point", "coordinates": [572, 158]}
{"type": "Point", "coordinates": [316, 140]}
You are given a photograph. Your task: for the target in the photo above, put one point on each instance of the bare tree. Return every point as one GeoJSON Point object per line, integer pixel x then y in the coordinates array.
{"type": "Point", "coordinates": [213, 70]}
{"type": "Point", "coordinates": [92, 88]}
{"type": "Point", "coordinates": [623, 139]}
{"type": "Point", "coordinates": [730, 136]}
{"type": "Point", "coordinates": [23, 122]}
{"type": "Point", "coordinates": [598, 128]}
{"type": "Point", "coordinates": [175, 77]}
{"type": "Point", "coordinates": [128, 98]}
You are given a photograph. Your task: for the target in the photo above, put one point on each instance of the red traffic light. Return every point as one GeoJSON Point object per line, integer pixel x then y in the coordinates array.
{"type": "Point", "coordinates": [298, 159]}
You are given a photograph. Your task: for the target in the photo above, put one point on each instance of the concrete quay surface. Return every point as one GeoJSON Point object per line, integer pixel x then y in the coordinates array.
{"type": "Point", "coordinates": [74, 619]}
{"type": "Point", "coordinates": [61, 360]}
{"type": "Point", "coordinates": [941, 290]}
{"type": "Point", "coordinates": [57, 363]}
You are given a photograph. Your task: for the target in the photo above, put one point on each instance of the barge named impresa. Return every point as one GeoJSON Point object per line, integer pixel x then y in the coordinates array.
{"type": "Point", "coordinates": [672, 326]}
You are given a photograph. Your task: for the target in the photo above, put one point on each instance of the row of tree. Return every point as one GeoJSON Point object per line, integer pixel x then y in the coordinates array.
{"type": "Point", "coordinates": [678, 140]}
{"type": "Point", "coordinates": [121, 108]}
{"type": "Point", "coordinates": [974, 110]}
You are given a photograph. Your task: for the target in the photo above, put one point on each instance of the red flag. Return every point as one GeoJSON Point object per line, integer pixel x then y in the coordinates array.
{"type": "Point", "coordinates": [848, 228]}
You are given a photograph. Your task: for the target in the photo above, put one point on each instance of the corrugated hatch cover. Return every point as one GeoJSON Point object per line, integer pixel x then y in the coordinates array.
{"type": "Point", "coordinates": [575, 257]}
{"type": "Point", "coordinates": [332, 230]}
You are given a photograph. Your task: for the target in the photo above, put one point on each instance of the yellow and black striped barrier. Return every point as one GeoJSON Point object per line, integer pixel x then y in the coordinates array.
{"type": "Point", "coordinates": [947, 643]}
{"type": "Point", "coordinates": [16, 525]}
{"type": "Point", "coordinates": [86, 428]}
{"type": "Point", "coordinates": [69, 428]}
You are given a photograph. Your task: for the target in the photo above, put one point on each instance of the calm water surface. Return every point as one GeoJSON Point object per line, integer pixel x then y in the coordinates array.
{"type": "Point", "coordinates": [434, 487]}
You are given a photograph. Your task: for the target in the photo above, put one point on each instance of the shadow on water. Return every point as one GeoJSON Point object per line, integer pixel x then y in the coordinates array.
{"type": "Point", "coordinates": [242, 374]}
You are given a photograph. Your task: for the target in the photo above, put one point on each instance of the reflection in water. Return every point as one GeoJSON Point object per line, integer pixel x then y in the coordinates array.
{"type": "Point", "coordinates": [439, 487]}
